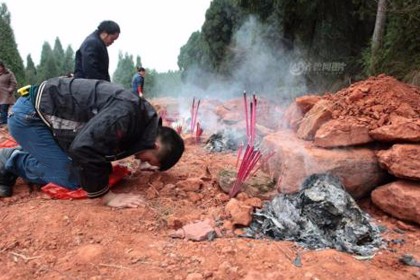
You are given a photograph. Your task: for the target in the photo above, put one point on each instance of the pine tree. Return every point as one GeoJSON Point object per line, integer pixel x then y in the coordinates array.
{"type": "Point", "coordinates": [48, 66]}
{"type": "Point", "coordinates": [8, 47]}
{"type": "Point", "coordinates": [125, 70]}
{"type": "Point", "coordinates": [68, 63]}
{"type": "Point", "coordinates": [58, 52]}
{"type": "Point", "coordinates": [30, 71]}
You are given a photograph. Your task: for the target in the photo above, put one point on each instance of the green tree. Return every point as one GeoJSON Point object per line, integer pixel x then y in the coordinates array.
{"type": "Point", "coordinates": [194, 52]}
{"type": "Point", "coordinates": [68, 63]}
{"type": "Point", "coordinates": [125, 70]}
{"type": "Point", "coordinates": [8, 47]}
{"type": "Point", "coordinates": [48, 67]}
{"type": "Point", "coordinates": [317, 31]}
{"type": "Point", "coordinates": [399, 54]}
{"type": "Point", "coordinates": [138, 61]}
{"type": "Point", "coordinates": [58, 53]}
{"type": "Point", "coordinates": [150, 82]}
{"type": "Point", "coordinates": [30, 71]}
{"type": "Point", "coordinates": [222, 20]}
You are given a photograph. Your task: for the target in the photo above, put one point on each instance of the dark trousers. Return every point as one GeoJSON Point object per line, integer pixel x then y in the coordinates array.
{"type": "Point", "coordinates": [4, 108]}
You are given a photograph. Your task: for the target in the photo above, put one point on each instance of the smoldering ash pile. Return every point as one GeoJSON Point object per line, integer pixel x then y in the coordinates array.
{"type": "Point", "coordinates": [321, 215]}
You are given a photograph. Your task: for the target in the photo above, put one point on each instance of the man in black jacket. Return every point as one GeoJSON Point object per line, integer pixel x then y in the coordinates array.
{"type": "Point", "coordinates": [92, 60]}
{"type": "Point", "coordinates": [69, 130]}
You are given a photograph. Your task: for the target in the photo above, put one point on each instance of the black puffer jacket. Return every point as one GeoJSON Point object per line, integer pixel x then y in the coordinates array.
{"type": "Point", "coordinates": [96, 122]}
{"type": "Point", "coordinates": [92, 60]}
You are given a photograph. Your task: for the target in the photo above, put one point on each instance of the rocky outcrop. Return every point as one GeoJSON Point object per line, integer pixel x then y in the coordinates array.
{"type": "Point", "coordinates": [402, 160]}
{"type": "Point", "coordinates": [375, 112]}
{"type": "Point", "coordinates": [340, 133]}
{"type": "Point", "coordinates": [400, 199]}
{"type": "Point", "coordinates": [403, 131]}
{"type": "Point", "coordinates": [295, 159]}
{"type": "Point", "coordinates": [314, 119]}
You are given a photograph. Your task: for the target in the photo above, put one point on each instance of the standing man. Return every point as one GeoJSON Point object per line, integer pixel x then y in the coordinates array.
{"type": "Point", "coordinates": [7, 89]}
{"type": "Point", "coordinates": [69, 131]}
{"type": "Point", "coordinates": [138, 81]}
{"type": "Point", "coordinates": [92, 61]}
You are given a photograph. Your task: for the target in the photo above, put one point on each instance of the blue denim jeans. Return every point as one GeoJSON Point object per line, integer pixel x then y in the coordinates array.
{"type": "Point", "coordinates": [4, 108]}
{"type": "Point", "coordinates": [41, 159]}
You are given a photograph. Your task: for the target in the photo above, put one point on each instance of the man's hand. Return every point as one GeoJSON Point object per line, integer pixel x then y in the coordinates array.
{"type": "Point", "coordinates": [122, 200]}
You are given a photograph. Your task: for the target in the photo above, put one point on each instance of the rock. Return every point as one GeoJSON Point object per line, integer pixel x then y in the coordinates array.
{"type": "Point", "coordinates": [293, 116]}
{"type": "Point", "coordinates": [240, 212]}
{"type": "Point", "coordinates": [190, 184]}
{"type": "Point", "coordinates": [400, 199]}
{"type": "Point", "coordinates": [177, 233]}
{"type": "Point", "coordinates": [260, 185]}
{"type": "Point", "coordinates": [294, 160]}
{"type": "Point", "coordinates": [198, 231]}
{"type": "Point", "coordinates": [313, 119]}
{"type": "Point", "coordinates": [337, 133]}
{"type": "Point", "coordinates": [305, 103]}
{"type": "Point", "coordinates": [408, 131]}
{"type": "Point", "coordinates": [401, 160]}
{"type": "Point", "coordinates": [254, 202]}
{"type": "Point", "coordinates": [298, 108]}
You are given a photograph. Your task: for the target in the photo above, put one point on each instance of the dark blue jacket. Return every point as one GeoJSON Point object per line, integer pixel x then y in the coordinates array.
{"type": "Point", "coordinates": [137, 81]}
{"type": "Point", "coordinates": [92, 61]}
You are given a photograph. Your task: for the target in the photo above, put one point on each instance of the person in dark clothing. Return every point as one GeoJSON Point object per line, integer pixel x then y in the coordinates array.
{"type": "Point", "coordinates": [69, 130]}
{"type": "Point", "coordinates": [92, 60]}
{"type": "Point", "coordinates": [7, 89]}
{"type": "Point", "coordinates": [138, 81]}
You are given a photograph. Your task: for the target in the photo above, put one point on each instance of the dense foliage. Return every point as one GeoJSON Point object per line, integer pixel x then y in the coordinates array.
{"type": "Point", "coordinates": [400, 54]}
{"type": "Point", "coordinates": [262, 45]}
{"type": "Point", "coordinates": [8, 48]}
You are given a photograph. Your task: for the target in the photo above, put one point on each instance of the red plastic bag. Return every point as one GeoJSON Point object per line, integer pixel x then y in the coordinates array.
{"type": "Point", "coordinates": [59, 192]}
{"type": "Point", "coordinates": [8, 143]}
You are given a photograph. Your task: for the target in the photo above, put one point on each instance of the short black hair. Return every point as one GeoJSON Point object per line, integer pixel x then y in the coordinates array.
{"type": "Point", "coordinates": [1, 63]}
{"type": "Point", "coordinates": [139, 69]}
{"type": "Point", "coordinates": [173, 147]}
{"type": "Point", "coordinates": [109, 26]}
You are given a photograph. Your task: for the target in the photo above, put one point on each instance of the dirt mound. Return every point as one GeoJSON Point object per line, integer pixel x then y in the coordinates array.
{"type": "Point", "coordinates": [377, 101]}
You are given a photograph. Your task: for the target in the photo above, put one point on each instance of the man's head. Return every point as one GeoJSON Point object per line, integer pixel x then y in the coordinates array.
{"type": "Point", "coordinates": [109, 31]}
{"type": "Point", "coordinates": [169, 148]}
{"type": "Point", "coordinates": [141, 71]}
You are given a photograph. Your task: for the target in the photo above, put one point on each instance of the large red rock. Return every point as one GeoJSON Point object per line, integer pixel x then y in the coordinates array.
{"type": "Point", "coordinates": [340, 132]}
{"type": "Point", "coordinates": [293, 116]}
{"type": "Point", "coordinates": [407, 131]}
{"type": "Point", "coordinates": [313, 119]}
{"type": "Point", "coordinates": [306, 102]}
{"type": "Point", "coordinates": [295, 159]}
{"type": "Point", "coordinates": [400, 199]}
{"type": "Point", "coordinates": [402, 160]}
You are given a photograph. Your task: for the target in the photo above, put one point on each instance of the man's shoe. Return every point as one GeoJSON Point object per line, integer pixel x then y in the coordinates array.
{"type": "Point", "coordinates": [7, 179]}
{"type": "Point", "coordinates": [5, 191]}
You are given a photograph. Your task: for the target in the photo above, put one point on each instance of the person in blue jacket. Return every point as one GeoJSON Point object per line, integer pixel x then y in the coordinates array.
{"type": "Point", "coordinates": [138, 81]}
{"type": "Point", "coordinates": [92, 60]}
{"type": "Point", "coordinates": [70, 130]}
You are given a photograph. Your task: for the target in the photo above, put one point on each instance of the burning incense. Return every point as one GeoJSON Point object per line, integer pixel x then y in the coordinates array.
{"type": "Point", "coordinates": [194, 112]}
{"type": "Point", "coordinates": [251, 155]}
{"type": "Point", "coordinates": [179, 129]}
{"type": "Point", "coordinates": [198, 132]}
{"type": "Point", "coordinates": [246, 115]}
{"type": "Point", "coordinates": [239, 154]}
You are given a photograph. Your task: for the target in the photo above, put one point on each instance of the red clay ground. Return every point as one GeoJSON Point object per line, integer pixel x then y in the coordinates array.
{"type": "Point", "coordinates": [43, 238]}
